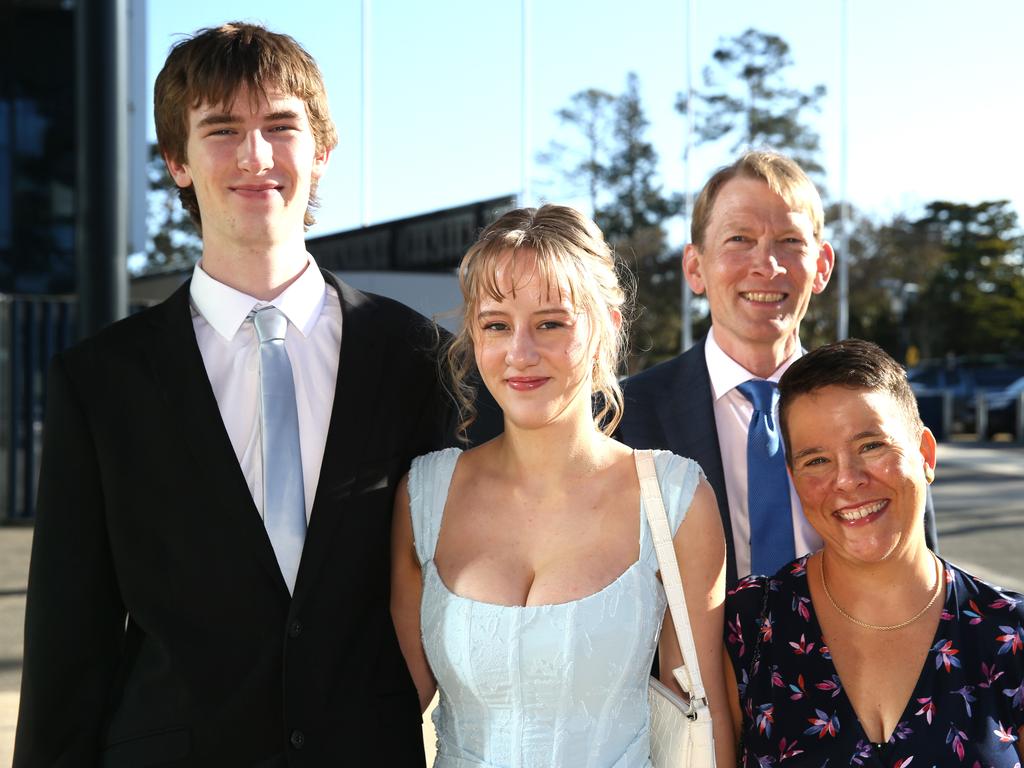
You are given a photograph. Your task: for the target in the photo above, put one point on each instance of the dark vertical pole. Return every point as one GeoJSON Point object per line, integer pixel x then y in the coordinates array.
{"type": "Point", "coordinates": [102, 200]}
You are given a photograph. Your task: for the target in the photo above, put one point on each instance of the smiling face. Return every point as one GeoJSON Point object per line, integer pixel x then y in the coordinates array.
{"type": "Point", "coordinates": [252, 164]}
{"type": "Point", "coordinates": [860, 470]}
{"type": "Point", "coordinates": [533, 348]}
{"type": "Point", "coordinates": [759, 264]}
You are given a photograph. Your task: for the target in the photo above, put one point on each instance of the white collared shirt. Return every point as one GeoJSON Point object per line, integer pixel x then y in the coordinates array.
{"type": "Point", "coordinates": [732, 419]}
{"type": "Point", "coordinates": [230, 353]}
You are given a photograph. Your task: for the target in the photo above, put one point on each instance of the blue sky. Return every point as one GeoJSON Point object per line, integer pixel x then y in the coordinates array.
{"type": "Point", "coordinates": [933, 90]}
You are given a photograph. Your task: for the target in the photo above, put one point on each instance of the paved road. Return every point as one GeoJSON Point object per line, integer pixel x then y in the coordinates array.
{"type": "Point", "coordinates": [979, 509]}
{"type": "Point", "coordinates": [979, 502]}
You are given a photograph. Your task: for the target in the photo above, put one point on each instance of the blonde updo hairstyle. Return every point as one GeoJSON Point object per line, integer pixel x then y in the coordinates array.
{"type": "Point", "coordinates": [567, 246]}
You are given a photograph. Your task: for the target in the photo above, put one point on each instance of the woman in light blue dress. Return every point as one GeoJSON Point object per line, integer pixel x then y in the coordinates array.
{"type": "Point", "coordinates": [525, 584]}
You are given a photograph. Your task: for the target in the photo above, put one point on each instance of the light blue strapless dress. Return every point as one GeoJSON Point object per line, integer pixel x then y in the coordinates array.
{"type": "Point", "coordinates": [542, 686]}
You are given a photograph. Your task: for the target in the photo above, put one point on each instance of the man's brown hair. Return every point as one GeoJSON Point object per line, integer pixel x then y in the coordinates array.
{"type": "Point", "coordinates": [213, 66]}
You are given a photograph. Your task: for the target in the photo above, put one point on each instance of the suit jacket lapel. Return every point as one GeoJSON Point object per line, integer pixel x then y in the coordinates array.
{"type": "Point", "coordinates": [356, 387]}
{"type": "Point", "coordinates": [690, 411]}
{"type": "Point", "coordinates": [179, 369]}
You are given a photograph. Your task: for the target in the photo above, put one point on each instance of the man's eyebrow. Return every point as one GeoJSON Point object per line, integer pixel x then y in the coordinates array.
{"type": "Point", "coordinates": [218, 118]}
{"type": "Point", "coordinates": [226, 118]}
{"type": "Point", "coordinates": [806, 452]}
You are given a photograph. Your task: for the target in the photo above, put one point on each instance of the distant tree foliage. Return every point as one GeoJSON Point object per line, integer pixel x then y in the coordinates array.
{"type": "Point", "coordinates": [746, 97]}
{"type": "Point", "coordinates": [172, 242]}
{"type": "Point", "coordinates": [618, 166]}
{"type": "Point", "coordinates": [974, 302]}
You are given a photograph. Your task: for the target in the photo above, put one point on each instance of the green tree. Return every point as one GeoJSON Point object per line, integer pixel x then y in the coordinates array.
{"type": "Point", "coordinates": [974, 302]}
{"type": "Point", "coordinates": [746, 97]}
{"type": "Point", "coordinates": [591, 114]}
{"type": "Point", "coordinates": [619, 168]}
{"type": "Point", "coordinates": [172, 242]}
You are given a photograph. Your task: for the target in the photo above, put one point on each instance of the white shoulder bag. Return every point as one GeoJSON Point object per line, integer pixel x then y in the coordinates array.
{"type": "Point", "coordinates": [681, 734]}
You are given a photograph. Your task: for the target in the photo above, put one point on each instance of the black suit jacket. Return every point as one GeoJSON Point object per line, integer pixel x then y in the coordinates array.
{"type": "Point", "coordinates": [159, 630]}
{"type": "Point", "coordinates": [671, 406]}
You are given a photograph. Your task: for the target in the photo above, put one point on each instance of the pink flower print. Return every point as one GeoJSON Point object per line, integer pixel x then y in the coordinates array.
{"type": "Point", "coordinates": [832, 685]}
{"type": "Point", "coordinates": [747, 582]}
{"type": "Point", "coordinates": [1004, 601]}
{"type": "Point", "coordinates": [765, 762]}
{"type": "Point", "coordinates": [777, 677]}
{"type": "Point", "coordinates": [965, 692]}
{"type": "Point", "coordinates": [1012, 640]}
{"type": "Point", "coordinates": [990, 675]}
{"type": "Point", "coordinates": [799, 568]}
{"type": "Point", "coordinates": [803, 647]}
{"type": "Point", "coordinates": [927, 708]}
{"type": "Point", "coordinates": [956, 738]}
{"type": "Point", "coordinates": [825, 652]}
{"type": "Point", "coordinates": [903, 763]}
{"type": "Point", "coordinates": [800, 607]}
{"type": "Point", "coordinates": [736, 635]}
{"type": "Point", "coordinates": [945, 654]}
{"type": "Point", "coordinates": [798, 691]}
{"type": "Point", "coordinates": [789, 750]}
{"type": "Point", "coordinates": [974, 613]}
{"type": "Point", "coordinates": [945, 615]}
{"type": "Point", "coordinates": [822, 725]}
{"type": "Point", "coordinates": [1006, 735]}
{"type": "Point", "coordinates": [764, 719]}
{"type": "Point", "coordinates": [766, 629]}
{"type": "Point", "coordinates": [903, 731]}
{"type": "Point", "coordinates": [1016, 694]}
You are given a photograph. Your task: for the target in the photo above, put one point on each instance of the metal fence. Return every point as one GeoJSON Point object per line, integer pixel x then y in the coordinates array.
{"type": "Point", "coordinates": [32, 330]}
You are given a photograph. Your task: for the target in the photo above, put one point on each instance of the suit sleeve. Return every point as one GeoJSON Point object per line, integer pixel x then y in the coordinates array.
{"type": "Point", "coordinates": [75, 619]}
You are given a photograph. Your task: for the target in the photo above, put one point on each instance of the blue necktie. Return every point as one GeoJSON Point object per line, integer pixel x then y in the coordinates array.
{"type": "Point", "coordinates": [768, 503]}
{"type": "Point", "coordinates": [284, 505]}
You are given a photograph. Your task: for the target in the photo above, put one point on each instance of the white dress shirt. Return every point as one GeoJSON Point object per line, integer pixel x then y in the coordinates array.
{"type": "Point", "coordinates": [230, 353]}
{"type": "Point", "coordinates": [732, 420]}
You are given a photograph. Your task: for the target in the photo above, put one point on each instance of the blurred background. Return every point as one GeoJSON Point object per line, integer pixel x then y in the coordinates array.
{"type": "Point", "coordinates": [451, 112]}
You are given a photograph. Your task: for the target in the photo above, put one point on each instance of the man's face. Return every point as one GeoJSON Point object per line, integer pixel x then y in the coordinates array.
{"type": "Point", "coordinates": [252, 165]}
{"type": "Point", "coordinates": [759, 266]}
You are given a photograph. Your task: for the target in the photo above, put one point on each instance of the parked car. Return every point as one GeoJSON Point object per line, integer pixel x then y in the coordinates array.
{"type": "Point", "coordinates": [1002, 408]}
{"type": "Point", "coordinates": [965, 378]}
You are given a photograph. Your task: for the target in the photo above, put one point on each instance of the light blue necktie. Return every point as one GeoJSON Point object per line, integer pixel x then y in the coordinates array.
{"type": "Point", "coordinates": [284, 505]}
{"type": "Point", "coordinates": [768, 503]}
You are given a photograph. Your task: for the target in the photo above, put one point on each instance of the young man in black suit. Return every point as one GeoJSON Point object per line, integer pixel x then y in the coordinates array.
{"type": "Point", "coordinates": [757, 252]}
{"type": "Point", "coordinates": [209, 577]}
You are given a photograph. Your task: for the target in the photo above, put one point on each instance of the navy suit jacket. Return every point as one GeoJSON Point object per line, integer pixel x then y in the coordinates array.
{"type": "Point", "coordinates": [671, 406]}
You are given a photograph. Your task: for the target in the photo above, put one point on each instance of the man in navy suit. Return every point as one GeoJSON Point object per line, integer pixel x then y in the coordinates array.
{"type": "Point", "coordinates": [168, 621]}
{"type": "Point", "coordinates": [757, 252]}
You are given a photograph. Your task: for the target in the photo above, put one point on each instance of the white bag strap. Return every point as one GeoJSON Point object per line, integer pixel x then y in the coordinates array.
{"type": "Point", "coordinates": [687, 675]}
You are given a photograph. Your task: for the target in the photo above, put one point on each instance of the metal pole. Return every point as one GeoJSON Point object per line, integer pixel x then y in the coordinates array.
{"type": "Point", "coordinates": [101, 216]}
{"type": "Point", "coordinates": [686, 330]}
{"type": "Point", "coordinates": [524, 106]}
{"type": "Point", "coordinates": [843, 323]}
{"type": "Point", "coordinates": [364, 111]}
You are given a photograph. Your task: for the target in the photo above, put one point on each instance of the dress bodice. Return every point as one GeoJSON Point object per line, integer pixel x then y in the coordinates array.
{"type": "Point", "coordinates": [542, 685]}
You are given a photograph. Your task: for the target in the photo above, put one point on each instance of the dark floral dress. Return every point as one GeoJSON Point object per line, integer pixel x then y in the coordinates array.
{"type": "Point", "coordinates": [966, 709]}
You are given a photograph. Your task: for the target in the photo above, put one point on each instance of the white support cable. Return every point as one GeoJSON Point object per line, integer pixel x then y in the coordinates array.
{"type": "Point", "coordinates": [525, 193]}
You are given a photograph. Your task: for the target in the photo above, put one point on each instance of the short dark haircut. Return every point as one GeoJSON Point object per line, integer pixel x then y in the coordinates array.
{"type": "Point", "coordinates": [854, 364]}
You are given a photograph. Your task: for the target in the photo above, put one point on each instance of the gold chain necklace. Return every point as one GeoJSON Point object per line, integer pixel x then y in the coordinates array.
{"type": "Point", "coordinates": [880, 627]}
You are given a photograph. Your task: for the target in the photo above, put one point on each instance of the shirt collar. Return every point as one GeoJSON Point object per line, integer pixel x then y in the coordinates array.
{"type": "Point", "coordinates": [726, 374]}
{"type": "Point", "coordinates": [225, 308]}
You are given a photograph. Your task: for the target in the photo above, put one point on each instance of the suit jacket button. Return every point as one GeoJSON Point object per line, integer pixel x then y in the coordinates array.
{"type": "Point", "coordinates": [295, 628]}
{"type": "Point", "coordinates": [298, 739]}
